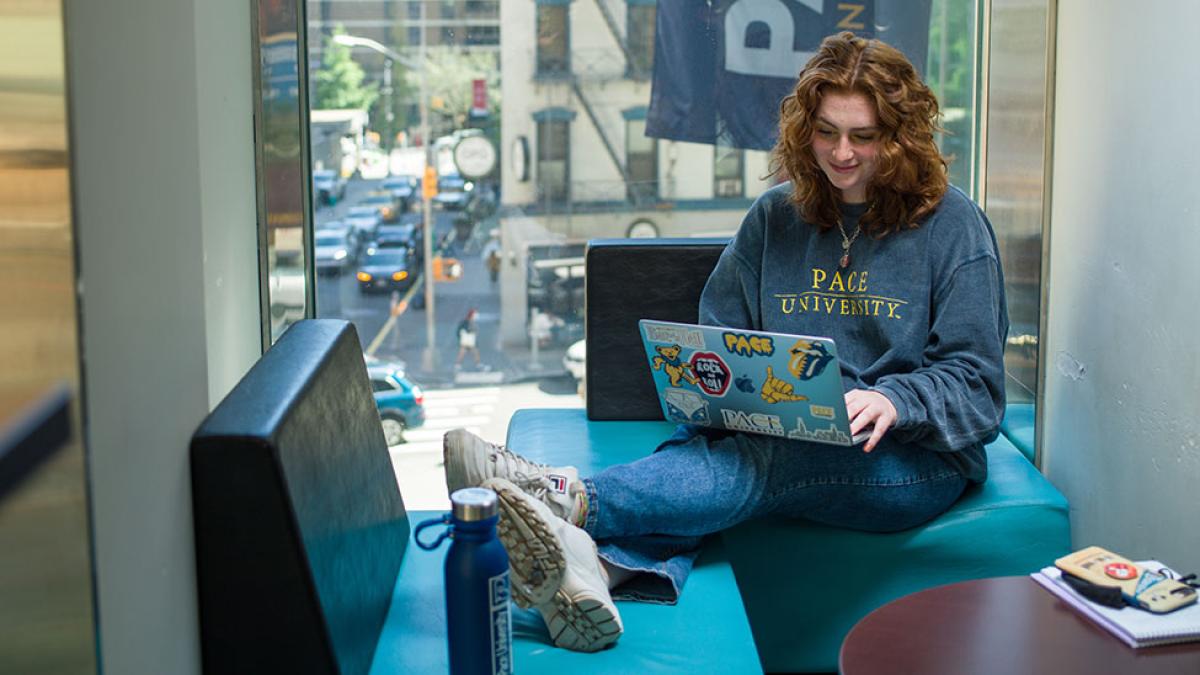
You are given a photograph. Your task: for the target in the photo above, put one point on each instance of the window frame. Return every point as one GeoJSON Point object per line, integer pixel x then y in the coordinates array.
{"type": "Point", "coordinates": [547, 124]}
{"type": "Point", "coordinates": [559, 65]}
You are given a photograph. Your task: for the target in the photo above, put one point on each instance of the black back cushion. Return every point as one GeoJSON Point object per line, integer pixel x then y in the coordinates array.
{"type": "Point", "coordinates": [628, 280]}
{"type": "Point", "coordinates": [299, 525]}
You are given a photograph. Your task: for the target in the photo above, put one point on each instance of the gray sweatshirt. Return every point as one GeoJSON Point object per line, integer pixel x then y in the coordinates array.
{"type": "Point", "coordinates": [918, 316]}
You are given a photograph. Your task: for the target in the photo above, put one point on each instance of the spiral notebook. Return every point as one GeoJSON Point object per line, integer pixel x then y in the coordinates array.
{"type": "Point", "coordinates": [1135, 627]}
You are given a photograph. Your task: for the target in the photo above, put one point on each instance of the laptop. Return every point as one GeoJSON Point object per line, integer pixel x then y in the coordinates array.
{"type": "Point", "coordinates": [789, 386]}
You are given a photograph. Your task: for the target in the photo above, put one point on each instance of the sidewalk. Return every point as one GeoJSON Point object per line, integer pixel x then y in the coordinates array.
{"type": "Point", "coordinates": [499, 367]}
{"type": "Point", "coordinates": [502, 364]}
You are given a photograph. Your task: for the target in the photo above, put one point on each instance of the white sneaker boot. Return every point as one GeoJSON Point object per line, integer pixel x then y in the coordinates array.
{"type": "Point", "coordinates": [470, 461]}
{"type": "Point", "coordinates": [556, 570]}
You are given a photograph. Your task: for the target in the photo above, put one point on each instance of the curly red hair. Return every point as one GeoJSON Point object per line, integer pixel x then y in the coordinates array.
{"type": "Point", "coordinates": [911, 174]}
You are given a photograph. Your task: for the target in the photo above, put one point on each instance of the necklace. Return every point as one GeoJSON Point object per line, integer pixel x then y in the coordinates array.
{"type": "Point", "coordinates": [846, 242]}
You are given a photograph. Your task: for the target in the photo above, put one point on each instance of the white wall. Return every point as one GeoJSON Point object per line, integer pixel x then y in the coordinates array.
{"type": "Point", "coordinates": [162, 151]}
{"type": "Point", "coordinates": [1122, 371]}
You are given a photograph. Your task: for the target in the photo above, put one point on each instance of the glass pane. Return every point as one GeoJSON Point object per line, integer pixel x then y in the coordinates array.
{"type": "Point", "coordinates": [530, 168]}
{"type": "Point", "coordinates": [641, 39]}
{"type": "Point", "coordinates": [552, 44]}
{"type": "Point", "coordinates": [1016, 176]}
{"type": "Point", "coordinates": [727, 171]}
{"type": "Point", "coordinates": [46, 612]}
{"type": "Point", "coordinates": [950, 73]}
{"type": "Point", "coordinates": [280, 140]}
{"type": "Point", "coordinates": [641, 157]}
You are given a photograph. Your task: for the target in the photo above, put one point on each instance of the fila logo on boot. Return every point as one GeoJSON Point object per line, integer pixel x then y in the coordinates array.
{"type": "Point", "coordinates": [558, 483]}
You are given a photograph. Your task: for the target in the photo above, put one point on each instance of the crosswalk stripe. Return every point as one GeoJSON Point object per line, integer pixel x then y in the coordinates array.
{"type": "Point", "coordinates": [438, 412]}
{"type": "Point", "coordinates": [452, 421]}
{"type": "Point", "coordinates": [423, 434]}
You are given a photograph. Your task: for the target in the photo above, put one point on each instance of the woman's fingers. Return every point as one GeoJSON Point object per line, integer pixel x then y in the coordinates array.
{"type": "Point", "coordinates": [869, 409]}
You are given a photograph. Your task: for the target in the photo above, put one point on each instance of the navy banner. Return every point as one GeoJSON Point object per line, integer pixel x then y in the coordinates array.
{"type": "Point", "coordinates": [723, 66]}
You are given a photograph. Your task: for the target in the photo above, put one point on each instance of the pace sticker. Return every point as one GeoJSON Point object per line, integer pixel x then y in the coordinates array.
{"type": "Point", "coordinates": [748, 345]}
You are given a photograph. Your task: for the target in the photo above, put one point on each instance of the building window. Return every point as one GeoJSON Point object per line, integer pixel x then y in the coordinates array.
{"type": "Point", "coordinates": [728, 170]}
{"type": "Point", "coordinates": [553, 40]}
{"type": "Point", "coordinates": [641, 162]}
{"type": "Point", "coordinates": [483, 35]}
{"type": "Point", "coordinates": [640, 19]}
{"type": "Point", "coordinates": [553, 155]}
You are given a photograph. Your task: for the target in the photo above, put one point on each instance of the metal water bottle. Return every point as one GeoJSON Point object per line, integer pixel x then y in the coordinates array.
{"type": "Point", "coordinates": [478, 616]}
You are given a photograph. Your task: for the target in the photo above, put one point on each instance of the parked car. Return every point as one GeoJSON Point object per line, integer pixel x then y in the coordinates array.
{"type": "Point", "coordinates": [403, 189]}
{"type": "Point", "coordinates": [335, 249]}
{"type": "Point", "coordinates": [328, 186]}
{"type": "Point", "coordinates": [386, 269]}
{"type": "Point", "coordinates": [453, 192]}
{"type": "Point", "coordinates": [401, 402]}
{"type": "Point", "coordinates": [364, 220]}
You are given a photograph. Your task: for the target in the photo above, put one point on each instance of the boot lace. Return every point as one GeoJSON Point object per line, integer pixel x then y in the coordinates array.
{"type": "Point", "coordinates": [529, 476]}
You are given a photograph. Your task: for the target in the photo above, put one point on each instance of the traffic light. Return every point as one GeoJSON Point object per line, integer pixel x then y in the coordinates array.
{"type": "Point", "coordinates": [446, 269]}
{"type": "Point", "coordinates": [429, 183]}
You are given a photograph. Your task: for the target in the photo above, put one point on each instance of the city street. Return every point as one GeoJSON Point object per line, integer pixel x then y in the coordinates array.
{"type": "Point", "coordinates": [481, 401]}
{"type": "Point", "coordinates": [339, 297]}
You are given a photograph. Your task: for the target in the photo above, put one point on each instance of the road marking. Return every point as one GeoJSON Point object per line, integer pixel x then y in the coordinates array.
{"type": "Point", "coordinates": [422, 434]}
{"type": "Point", "coordinates": [451, 421]}
{"type": "Point", "coordinates": [456, 411]}
{"type": "Point", "coordinates": [474, 392]}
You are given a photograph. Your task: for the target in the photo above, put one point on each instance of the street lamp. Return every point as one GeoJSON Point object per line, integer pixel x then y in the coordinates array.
{"type": "Point", "coordinates": [426, 205]}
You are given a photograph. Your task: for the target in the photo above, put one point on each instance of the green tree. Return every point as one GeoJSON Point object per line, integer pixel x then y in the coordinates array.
{"type": "Point", "coordinates": [339, 80]}
{"type": "Point", "coordinates": [449, 75]}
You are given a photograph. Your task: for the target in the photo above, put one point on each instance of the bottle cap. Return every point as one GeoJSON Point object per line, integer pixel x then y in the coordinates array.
{"type": "Point", "coordinates": [473, 504]}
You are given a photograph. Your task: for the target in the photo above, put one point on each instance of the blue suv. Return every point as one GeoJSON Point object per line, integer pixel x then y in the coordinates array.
{"type": "Point", "coordinates": [401, 402]}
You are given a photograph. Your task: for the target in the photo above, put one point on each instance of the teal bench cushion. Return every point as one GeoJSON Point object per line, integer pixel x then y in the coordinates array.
{"type": "Point", "coordinates": [1018, 427]}
{"type": "Point", "coordinates": [805, 585]}
{"type": "Point", "coordinates": [707, 632]}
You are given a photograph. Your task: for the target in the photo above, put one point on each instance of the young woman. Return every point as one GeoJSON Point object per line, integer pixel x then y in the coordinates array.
{"type": "Point", "coordinates": [867, 244]}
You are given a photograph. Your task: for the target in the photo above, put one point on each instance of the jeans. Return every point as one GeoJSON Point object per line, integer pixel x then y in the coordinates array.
{"type": "Point", "coordinates": [650, 515]}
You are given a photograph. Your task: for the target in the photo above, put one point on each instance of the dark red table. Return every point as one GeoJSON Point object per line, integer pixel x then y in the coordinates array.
{"type": "Point", "coordinates": [1001, 626]}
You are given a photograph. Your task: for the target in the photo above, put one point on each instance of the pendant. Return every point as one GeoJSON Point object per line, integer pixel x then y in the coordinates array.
{"type": "Point", "coordinates": [845, 261]}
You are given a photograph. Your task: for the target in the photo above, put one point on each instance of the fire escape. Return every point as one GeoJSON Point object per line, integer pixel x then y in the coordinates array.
{"type": "Point", "coordinates": [599, 66]}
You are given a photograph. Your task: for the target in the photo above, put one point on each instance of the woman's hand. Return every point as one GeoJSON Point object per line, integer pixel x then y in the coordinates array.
{"type": "Point", "coordinates": [870, 409]}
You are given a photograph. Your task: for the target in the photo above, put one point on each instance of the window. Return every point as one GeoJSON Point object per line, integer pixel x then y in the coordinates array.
{"type": "Point", "coordinates": [728, 169]}
{"type": "Point", "coordinates": [483, 35]}
{"type": "Point", "coordinates": [553, 40]}
{"type": "Point", "coordinates": [569, 161]}
{"type": "Point", "coordinates": [553, 153]}
{"type": "Point", "coordinates": [379, 384]}
{"type": "Point", "coordinates": [639, 20]}
{"type": "Point", "coordinates": [641, 162]}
